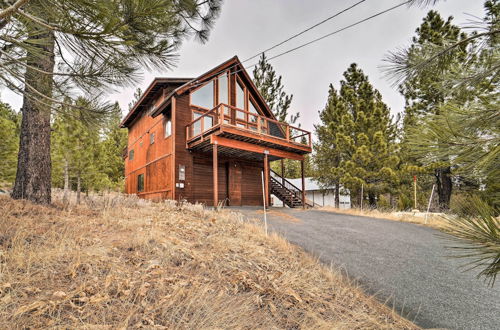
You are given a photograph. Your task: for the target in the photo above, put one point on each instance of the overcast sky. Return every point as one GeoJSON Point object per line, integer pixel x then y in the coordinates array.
{"type": "Point", "coordinates": [247, 27]}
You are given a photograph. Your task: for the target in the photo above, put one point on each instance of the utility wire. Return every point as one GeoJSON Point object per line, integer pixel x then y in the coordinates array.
{"type": "Point", "coordinates": [304, 31]}
{"type": "Point", "coordinates": [312, 41]}
{"type": "Point", "coordinates": [296, 35]}
{"type": "Point", "coordinates": [339, 30]}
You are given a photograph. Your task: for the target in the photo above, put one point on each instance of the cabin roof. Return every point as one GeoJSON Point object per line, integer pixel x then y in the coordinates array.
{"type": "Point", "coordinates": [186, 84]}
{"type": "Point", "coordinates": [157, 84]}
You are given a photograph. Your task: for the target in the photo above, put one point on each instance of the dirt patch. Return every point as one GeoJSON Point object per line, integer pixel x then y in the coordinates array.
{"type": "Point", "coordinates": [282, 215]}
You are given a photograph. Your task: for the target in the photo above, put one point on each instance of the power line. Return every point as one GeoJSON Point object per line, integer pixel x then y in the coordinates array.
{"type": "Point", "coordinates": [312, 41]}
{"type": "Point", "coordinates": [304, 31]}
{"type": "Point", "coordinates": [297, 34]}
{"type": "Point", "coordinates": [339, 30]}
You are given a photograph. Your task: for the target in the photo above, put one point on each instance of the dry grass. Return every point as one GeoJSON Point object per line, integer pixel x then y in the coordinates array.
{"type": "Point", "coordinates": [434, 220]}
{"type": "Point", "coordinates": [121, 262]}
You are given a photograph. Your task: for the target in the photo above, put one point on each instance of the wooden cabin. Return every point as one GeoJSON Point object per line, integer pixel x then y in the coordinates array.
{"type": "Point", "coordinates": [210, 140]}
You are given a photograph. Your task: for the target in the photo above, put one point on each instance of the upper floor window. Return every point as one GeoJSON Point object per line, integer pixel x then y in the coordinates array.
{"type": "Point", "coordinates": [223, 89]}
{"type": "Point", "coordinates": [252, 107]}
{"type": "Point", "coordinates": [240, 96]}
{"type": "Point", "coordinates": [131, 155]}
{"type": "Point", "coordinates": [204, 96]}
{"type": "Point", "coordinates": [151, 138]}
{"type": "Point", "coordinates": [168, 127]}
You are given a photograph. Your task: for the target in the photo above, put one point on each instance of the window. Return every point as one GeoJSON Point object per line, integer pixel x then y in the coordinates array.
{"type": "Point", "coordinates": [168, 127]}
{"type": "Point", "coordinates": [240, 96]}
{"type": "Point", "coordinates": [182, 173]}
{"type": "Point", "coordinates": [204, 96]}
{"type": "Point", "coordinates": [140, 182]}
{"type": "Point", "coordinates": [223, 89]}
{"type": "Point", "coordinates": [252, 109]}
{"type": "Point", "coordinates": [131, 155]}
{"type": "Point", "coordinates": [151, 138]}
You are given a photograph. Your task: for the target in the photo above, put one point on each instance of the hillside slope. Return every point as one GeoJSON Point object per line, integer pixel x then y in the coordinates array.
{"type": "Point", "coordinates": [126, 263]}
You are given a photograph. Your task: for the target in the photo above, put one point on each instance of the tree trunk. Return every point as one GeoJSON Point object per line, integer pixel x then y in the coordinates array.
{"type": "Point", "coordinates": [337, 195]}
{"type": "Point", "coordinates": [33, 178]}
{"type": "Point", "coordinates": [444, 187]}
{"type": "Point", "coordinates": [66, 183]}
{"type": "Point", "coordinates": [78, 187]}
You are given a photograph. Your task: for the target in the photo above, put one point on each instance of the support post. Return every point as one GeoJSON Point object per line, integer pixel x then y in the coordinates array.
{"type": "Point", "coordinates": [215, 175]}
{"type": "Point", "coordinates": [283, 172]}
{"type": "Point", "coordinates": [266, 177]}
{"type": "Point", "coordinates": [303, 184]}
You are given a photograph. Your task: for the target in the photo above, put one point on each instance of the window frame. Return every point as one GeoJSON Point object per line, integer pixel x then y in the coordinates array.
{"type": "Point", "coordinates": [214, 82]}
{"type": "Point", "coordinates": [140, 187]}
{"type": "Point", "coordinates": [217, 89]}
{"type": "Point", "coordinates": [168, 122]}
{"type": "Point", "coordinates": [131, 154]}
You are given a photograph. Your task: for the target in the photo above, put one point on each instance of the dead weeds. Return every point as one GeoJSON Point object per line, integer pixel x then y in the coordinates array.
{"type": "Point", "coordinates": [128, 263]}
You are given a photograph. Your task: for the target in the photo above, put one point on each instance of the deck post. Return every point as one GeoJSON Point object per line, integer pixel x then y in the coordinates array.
{"type": "Point", "coordinates": [215, 175]}
{"type": "Point", "coordinates": [266, 177]}
{"type": "Point", "coordinates": [303, 184]}
{"type": "Point", "coordinates": [282, 171]}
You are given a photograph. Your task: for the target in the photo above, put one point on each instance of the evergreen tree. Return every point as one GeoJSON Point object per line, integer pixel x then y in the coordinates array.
{"type": "Point", "coordinates": [9, 142]}
{"type": "Point", "coordinates": [87, 155]}
{"type": "Point", "coordinates": [137, 96]}
{"type": "Point", "coordinates": [115, 141]}
{"type": "Point", "coordinates": [426, 93]}
{"type": "Point", "coordinates": [271, 88]}
{"type": "Point", "coordinates": [466, 130]}
{"type": "Point", "coordinates": [364, 139]}
{"type": "Point", "coordinates": [51, 47]}
{"type": "Point", "coordinates": [327, 152]}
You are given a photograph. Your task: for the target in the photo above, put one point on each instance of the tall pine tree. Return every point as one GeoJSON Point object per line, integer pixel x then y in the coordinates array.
{"type": "Point", "coordinates": [360, 133]}
{"type": "Point", "coordinates": [52, 47]}
{"type": "Point", "coordinates": [327, 151]}
{"type": "Point", "coordinates": [426, 93]}
{"type": "Point", "coordinates": [269, 84]}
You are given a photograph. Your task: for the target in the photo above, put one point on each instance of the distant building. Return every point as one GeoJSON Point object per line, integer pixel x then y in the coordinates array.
{"type": "Point", "coordinates": [318, 196]}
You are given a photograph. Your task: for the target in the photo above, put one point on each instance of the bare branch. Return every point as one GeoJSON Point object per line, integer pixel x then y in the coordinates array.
{"type": "Point", "coordinates": [9, 11]}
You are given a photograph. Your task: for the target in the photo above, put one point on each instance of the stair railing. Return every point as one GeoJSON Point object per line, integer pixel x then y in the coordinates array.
{"type": "Point", "coordinates": [287, 184]}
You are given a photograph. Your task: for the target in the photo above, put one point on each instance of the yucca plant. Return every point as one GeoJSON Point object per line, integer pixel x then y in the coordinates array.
{"type": "Point", "coordinates": [475, 235]}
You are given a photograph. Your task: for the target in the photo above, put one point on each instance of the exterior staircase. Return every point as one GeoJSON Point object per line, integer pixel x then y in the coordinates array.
{"type": "Point", "coordinates": [286, 192]}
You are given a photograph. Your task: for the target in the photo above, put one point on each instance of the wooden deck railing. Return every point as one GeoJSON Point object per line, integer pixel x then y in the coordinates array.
{"type": "Point", "coordinates": [224, 114]}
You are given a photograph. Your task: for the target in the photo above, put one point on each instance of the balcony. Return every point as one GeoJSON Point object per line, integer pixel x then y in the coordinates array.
{"type": "Point", "coordinates": [228, 122]}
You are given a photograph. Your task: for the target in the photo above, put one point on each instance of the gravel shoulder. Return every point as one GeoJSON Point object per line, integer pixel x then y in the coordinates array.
{"type": "Point", "coordinates": [405, 265]}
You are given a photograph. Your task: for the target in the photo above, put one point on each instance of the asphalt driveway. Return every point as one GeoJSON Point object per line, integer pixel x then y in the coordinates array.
{"type": "Point", "coordinates": [405, 265]}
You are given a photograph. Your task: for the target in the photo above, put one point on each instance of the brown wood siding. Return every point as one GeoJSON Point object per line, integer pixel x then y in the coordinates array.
{"type": "Point", "coordinates": [251, 185]}
{"type": "Point", "coordinates": [203, 176]}
{"type": "Point", "coordinates": [182, 155]}
{"type": "Point", "coordinates": [152, 160]}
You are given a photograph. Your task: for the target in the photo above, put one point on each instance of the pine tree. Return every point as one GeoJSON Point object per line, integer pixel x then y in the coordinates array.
{"type": "Point", "coordinates": [327, 151]}
{"type": "Point", "coordinates": [53, 47]}
{"type": "Point", "coordinates": [9, 143]}
{"type": "Point", "coordinates": [115, 141]}
{"type": "Point", "coordinates": [271, 88]}
{"type": "Point", "coordinates": [365, 138]}
{"type": "Point", "coordinates": [426, 93]}
{"type": "Point", "coordinates": [137, 95]}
